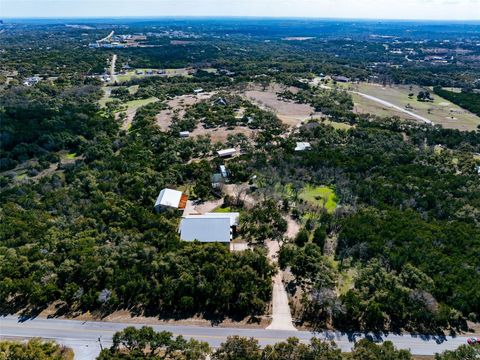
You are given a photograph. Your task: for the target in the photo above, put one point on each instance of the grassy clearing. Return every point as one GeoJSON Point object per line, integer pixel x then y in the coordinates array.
{"type": "Point", "coordinates": [135, 104]}
{"type": "Point", "coordinates": [337, 125]}
{"type": "Point", "coordinates": [322, 196]}
{"type": "Point", "coordinates": [347, 279]}
{"type": "Point", "coordinates": [21, 176]}
{"type": "Point", "coordinates": [105, 98]}
{"type": "Point", "coordinates": [223, 209]}
{"type": "Point", "coordinates": [440, 111]}
{"type": "Point", "coordinates": [133, 89]}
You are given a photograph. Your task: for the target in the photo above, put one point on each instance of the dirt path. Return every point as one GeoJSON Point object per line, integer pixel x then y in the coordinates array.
{"type": "Point", "coordinates": [292, 227]}
{"type": "Point", "coordinates": [240, 191]}
{"type": "Point", "coordinates": [201, 208]}
{"type": "Point", "coordinates": [113, 78]}
{"type": "Point", "coordinates": [281, 315]}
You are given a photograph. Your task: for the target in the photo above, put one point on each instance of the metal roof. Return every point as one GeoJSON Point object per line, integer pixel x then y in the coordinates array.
{"type": "Point", "coordinates": [226, 152]}
{"type": "Point", "coordinates": [233, 216]}
{"type": "Point", "coordinates": [205, 229]}
{"type": "Point", "coordinates": [301, 146]}
{"type": "Point", "coordinates": [168, 198]}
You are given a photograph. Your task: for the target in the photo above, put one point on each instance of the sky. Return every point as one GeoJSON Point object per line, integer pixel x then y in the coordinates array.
{"type": "Point", "coordinates": [353, 9]}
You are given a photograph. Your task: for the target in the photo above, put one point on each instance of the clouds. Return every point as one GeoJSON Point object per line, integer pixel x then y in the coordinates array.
{"type": "Point", "coordinates": [384, 9]}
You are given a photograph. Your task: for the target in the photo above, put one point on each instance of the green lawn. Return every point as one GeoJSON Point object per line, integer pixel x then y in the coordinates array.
{"type": "Point", "coordinates": [322, 196]}
{"type": "Point", "coordinates": [135, 104]}
{"type": "Point", "coordinates": [223, 209]}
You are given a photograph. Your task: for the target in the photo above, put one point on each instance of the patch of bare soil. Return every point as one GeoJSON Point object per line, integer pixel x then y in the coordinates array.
{"type": "Point", "coordinates": [330, 245]}
{"type": "Point", "coordinates": [220, 134]}
{"type": "Point", "coordinates": [178, 105]}
{"type": "Point", "coordinates": [289, 112]}
{"type": "Point", "coordinates": [240, 192]}
{"type": "Point", "coordinates": [293, 227]}
{"type": "Point", "coordinates": [124, 316]}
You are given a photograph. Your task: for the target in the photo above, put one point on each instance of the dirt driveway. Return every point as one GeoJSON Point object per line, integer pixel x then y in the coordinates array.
{"type": "Point", "coordinates": [281, 315]}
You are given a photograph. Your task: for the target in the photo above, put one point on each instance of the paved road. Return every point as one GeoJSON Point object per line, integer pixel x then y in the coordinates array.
{"type": "Point", "coordinates": [389, 104]}
{"type": "Point", "coordinates": [83, 336]}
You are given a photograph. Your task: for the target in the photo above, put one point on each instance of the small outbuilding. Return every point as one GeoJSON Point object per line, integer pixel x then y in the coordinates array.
{"type": "Point", "coordinates": [302, 146]}
{"type": "Point", "coordinates": [184, 134]}
{"type": "Point", "coordinates": [223, 171]}
{"type": "Point", "coordinates": [170, 199]}
{"type": "Point", "coordinates": [226, 152]}
{"type": "Point", "coordinates": [342, 79]}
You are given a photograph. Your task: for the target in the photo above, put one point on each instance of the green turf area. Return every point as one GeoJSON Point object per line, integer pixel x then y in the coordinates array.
{"type": "Point", "coordinates": [71, 156]}
{"type": "Point", "coordinates": [134, 104]}
{"type": "Point", "coordinates": [133, 89]}
{"type": "Point", "coordinates": [322, 196]}
{"type": "Point", "coordinates": [337, 125]}
{"type": "Point", "coordinates": [223, 209]}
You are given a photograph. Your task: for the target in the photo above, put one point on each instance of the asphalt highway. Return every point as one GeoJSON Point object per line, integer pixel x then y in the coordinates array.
{"type": "Point", "coordinates": [86, 337]}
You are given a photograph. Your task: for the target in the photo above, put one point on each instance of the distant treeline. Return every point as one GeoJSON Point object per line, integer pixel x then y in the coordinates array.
{"type": "Point", "coordinates": [467, 100]}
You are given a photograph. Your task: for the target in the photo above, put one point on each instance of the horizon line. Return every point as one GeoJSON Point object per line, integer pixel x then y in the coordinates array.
{"type": "Point", "coordinates": [94, 17]}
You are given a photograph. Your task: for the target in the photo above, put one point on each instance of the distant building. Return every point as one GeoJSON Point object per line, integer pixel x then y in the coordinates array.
{"type": "Point", "coordinates": [170, 199]}
{"type": "Point", "coordinates": [198, 91]}
{"type": "Point", "coordinates": [220, 178]}
{"type": "Point", "coordinates": [217, 180]}
{"type": "Point", "coordinates": [302, 146]}
{"type": "Point", "coordinates": [221, 101]}
{"type": "Point", "coordinates": [30, 81]}
{"type": "Point", "coordinates": [226, 152]}
{"type": "Point", "coordinates": [210, 227]}
{"type": "Point", "coordinates": [343, 79]}
{"type": "Point", "coordinates": [223, 171]}
{"type": "Point", "coordinates": [184, 134]}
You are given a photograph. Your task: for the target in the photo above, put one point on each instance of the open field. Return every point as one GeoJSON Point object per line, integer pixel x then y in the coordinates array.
{"type": "Point", "coordinates": [289, 112]}
{"type": "Point", "coordinates": [135, 104]}
{"type": "Point", "coordinates": [440, 111]}
{"type": "Point", "coordinates": [322, 196]}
